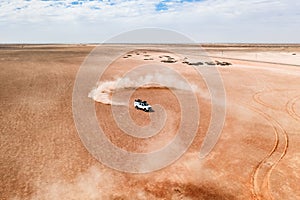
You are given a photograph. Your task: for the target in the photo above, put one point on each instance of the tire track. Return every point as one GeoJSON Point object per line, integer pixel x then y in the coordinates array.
{"type": "Point", "coordinates": [261, 174]}
{"type": "Point", "coordinates": [290, 108]}
{"type": "Point", "coordinates": [257, 99]}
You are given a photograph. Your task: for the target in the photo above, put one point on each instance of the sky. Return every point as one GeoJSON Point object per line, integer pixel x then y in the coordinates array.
{"type": "Point", "coordinates": [96, 21]}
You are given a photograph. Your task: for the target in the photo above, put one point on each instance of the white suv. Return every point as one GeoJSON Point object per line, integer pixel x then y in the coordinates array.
{"type": "Point", "coordinates": [142, 105]}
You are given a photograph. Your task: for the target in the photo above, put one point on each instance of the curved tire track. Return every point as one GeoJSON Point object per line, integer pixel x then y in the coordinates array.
{"type": "Point", "coordinates": [261, 174]}
{"type": "Point", "coordinates": [290, 108]}
{"type": "Point", "coordinates": [257, 99]}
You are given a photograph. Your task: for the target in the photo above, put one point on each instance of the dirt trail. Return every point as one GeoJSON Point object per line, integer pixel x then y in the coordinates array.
{"type": "Point", "coordinates": [291, 108]}
{"type": "Point", "coordinates": [260, 179]}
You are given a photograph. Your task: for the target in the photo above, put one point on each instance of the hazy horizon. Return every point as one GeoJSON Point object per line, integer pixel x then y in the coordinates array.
{"type": "Point", "coordinates": [207, 43]}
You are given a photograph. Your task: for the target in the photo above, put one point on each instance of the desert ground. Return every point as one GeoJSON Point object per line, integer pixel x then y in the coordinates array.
{"type": "Point", "coordinates": [257, 156]}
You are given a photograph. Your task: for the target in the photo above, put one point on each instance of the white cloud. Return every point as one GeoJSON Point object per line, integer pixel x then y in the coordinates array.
{"type": "Point", "coordinates": [96, 21]}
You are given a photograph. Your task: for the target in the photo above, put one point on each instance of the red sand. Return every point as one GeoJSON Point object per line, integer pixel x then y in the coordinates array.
{"type": "Point", "coordinates": [42, 157]}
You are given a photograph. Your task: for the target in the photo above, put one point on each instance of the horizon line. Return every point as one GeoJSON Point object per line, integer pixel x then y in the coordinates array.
{"type": "Point", "coordinates": [130, 43]}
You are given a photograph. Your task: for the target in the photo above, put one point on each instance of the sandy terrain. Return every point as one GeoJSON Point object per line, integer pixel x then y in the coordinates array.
{"type": "Point", "coordinates": [256, 157]}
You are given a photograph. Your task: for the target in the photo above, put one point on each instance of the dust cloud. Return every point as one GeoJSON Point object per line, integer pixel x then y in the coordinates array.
{"type": "Point", "coordinates": [104, 90]}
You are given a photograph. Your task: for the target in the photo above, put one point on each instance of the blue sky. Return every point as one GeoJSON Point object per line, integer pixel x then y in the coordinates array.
{"type": "Point", "coordinates": [80, 21]}
{"type": "Point", "coordinates": [165, 4]}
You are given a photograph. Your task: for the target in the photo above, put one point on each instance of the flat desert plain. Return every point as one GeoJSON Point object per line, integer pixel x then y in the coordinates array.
{"type": "Point", "coordinates": [256, 155]}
